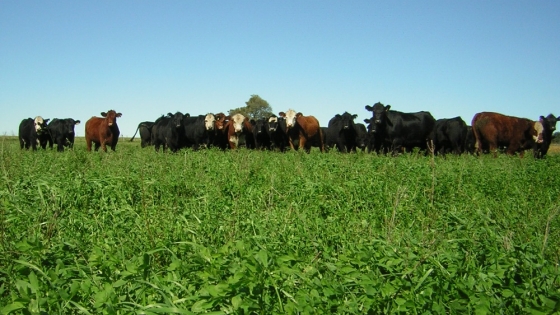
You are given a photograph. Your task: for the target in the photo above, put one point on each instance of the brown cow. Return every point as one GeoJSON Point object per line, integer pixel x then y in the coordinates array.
{"type": "Point", "coordinates": [308, 130]}
{"type": "Point", "coordinates": [220, 137]}
{"type": "Point", "coordinates": [238, 125]}
{"type": "Point", "coordinates": [103, 131]}
{"type": "Point", "coordinates": [493, 130]}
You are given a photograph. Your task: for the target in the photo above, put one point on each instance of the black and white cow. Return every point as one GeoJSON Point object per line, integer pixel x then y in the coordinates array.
{"type": "Point", "coordinates": [62, 132]}
{"type": "Point", "coordinates": [199, 130]}
{"type": "Point", "coordinates": [450, 135]}
{"type": "Point", "coordinates": [277, 136]}
{"type": "Point", "coordinates": [549, 126]}
{"type": "Point", "coordinates": [145, 129]}
{"type": "Point", "coordinates": [341, 132]}
{"type": "Point", "coordinates": [168, 131]}
{"type": "Point", "coordinates": [394, 131]}
{"type": "Point", "coordinates": [33, 132]}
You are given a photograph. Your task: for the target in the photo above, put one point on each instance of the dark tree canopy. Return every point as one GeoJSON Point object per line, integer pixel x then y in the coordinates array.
{"type": "Point", "coordinates": [254, 108]}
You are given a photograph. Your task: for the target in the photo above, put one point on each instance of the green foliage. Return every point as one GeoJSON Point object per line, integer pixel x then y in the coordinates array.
{"type": "Point", "coordinates": [254, 108]}
{"type": "Point", "coordinates": [263, 232]}
{"type": "Point", "coordinates": [556, 137]}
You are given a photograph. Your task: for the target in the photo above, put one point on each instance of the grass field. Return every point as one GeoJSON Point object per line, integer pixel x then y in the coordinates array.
{"type": "Point", "coordinates": [248, 232]}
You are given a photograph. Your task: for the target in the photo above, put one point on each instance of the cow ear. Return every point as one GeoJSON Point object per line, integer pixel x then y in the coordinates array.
{"type": "Point", "coordinates": [354, 116]}
{"type": "Point", "coordinates": [103, 114]}
{"type": "Point", "coordinates": [77, 122]}
{"type": "Point", "coordinates": [253, 122]}
{"type": "Point", "coordinates": [45, 121]}
{"type": "Point", "coordinates": [369, 108]}
{"type": "Point", "coordinates": [119, 114]}
{"type": "Point", "coordinates": [558, 118]}
{"type": "Point", "coordinates": [282, 114]}
{"type": "Point", "coordinates": [387, 107]}
{"type": "Point", "coordinates": [367, 121]}
{"type": "Point", "coordinates": [187, 115]}
{"type": "Point", "coordinates": [299, 114]}
{"type": "Point", "coordinates": [337, 116]}
{"type": "Point", "coordinates": [541, 119]}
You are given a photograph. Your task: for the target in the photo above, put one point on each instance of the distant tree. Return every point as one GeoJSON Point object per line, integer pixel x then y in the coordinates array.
{"type": "Point", "coordinates": [254, 108]}
{"type": "Point", "coordinates": [556, 137]}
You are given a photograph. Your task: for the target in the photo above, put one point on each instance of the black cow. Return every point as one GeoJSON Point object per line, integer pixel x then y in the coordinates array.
{"type": "Point", "coordinates": [168, 131]}
{"type": "Point", "coordinates": [470, 141]}
{"type": "Point", "coordinates": [292, 133]}
{"type": "Point", "coordinates": [450, 135]}
{"type": "Point", "coordinates": [277, 137]}
{"type": "Point", "coordinates": [145, 129]}
{"type": "Point", "coordinates": [324, 131]}
{"type": "Point", "coordinates": [549, 126]}
{"type": "Point", "coordinates": [394, 131]}
{"type": "Point", "coordinates": [199, 130]}
{"type": "Point", "coordinates": [33, 132]}
{"type": "Point", "coordinates": [341, 132]}
{"type": "Point", "coordinates": [262, 137]}
{"type": "Point", "coordinates": [62, 133]}
{"type": "Point", "coordinates": [362, 138]}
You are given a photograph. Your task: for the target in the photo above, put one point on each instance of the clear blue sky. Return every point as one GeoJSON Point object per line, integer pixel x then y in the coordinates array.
{"type": "Point", "coordinates": [144, 58]}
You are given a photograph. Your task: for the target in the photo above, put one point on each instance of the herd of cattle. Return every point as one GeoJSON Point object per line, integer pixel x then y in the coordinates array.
{"type": "Point", "coordinates": [387, 131]}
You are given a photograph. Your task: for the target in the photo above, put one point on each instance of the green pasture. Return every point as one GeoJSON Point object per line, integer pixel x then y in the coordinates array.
{"type": "Point", "coordinates": [251, 232]}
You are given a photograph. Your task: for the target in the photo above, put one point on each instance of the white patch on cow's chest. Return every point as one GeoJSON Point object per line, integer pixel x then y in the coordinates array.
{"type": "Point", "coordinates": [234, 139]}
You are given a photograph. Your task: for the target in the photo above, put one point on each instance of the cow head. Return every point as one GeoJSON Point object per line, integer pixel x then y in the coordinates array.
{"type": "Point", "coordinates": [538, 130]}
{"type": "Point", "coordinates": [272, 123]}
{"type": "Point", "coordinates": [379, 116]}
{"type": "Point", "coordinates": [237, 123]}
{"type": "Point", "coordinates": [111, 117]}
{"type": "Point", "coordinates": [177, 119]}
{"type": "Point", "coordinates": [290, 118]}
{"type": "Point", "coordinates": [347, 120]}
{"type": "Point", "coordinates": [221, 121]}
{"type": "Point", "coordinates": [209, 122]}
{"type": "Point", "coordinates": [549, 122]}
{"type": "Point", "coordinates": [259, 126]}
{"type": "Point", "coordinates": [69, 125]}
{"type": "Point", "coordinates": [40, 124]}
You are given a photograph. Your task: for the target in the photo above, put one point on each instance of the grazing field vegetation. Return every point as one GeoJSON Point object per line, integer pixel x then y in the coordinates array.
{"type": "Point", "coordinates": [140, 232]}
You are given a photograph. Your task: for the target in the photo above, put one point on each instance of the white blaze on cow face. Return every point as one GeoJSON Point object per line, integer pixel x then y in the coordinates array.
{"type": "Point", "coordinates": [237, 121]}
{"type": "Point", "coordinates": [290, 118]}
{"type": "Point", "coordinates": [209, 122]}
{"type": "Point", "coordinates": [539, 130]}
{"type": "Point", "coordinates": [272, 123]}
{"type": "Point", "coordinates": [38, 121]}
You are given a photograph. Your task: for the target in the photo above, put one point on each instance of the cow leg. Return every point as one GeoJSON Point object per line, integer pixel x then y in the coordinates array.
{"type": "Point", "coordinates": [303, 144]}
{"type": "Point", "coordinates": [97, 145]}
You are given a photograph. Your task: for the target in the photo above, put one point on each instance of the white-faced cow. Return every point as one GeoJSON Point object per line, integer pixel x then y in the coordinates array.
{"type": "Point", "coordinates": [494, 130]}
{"type": "Point", "coordinates": [394, 131]}
{"type": "Point", "coordinates": [237, 126]}
{"type": "Point", "coordinates": [308, 130]}
{"type": "Point", "coordinates": [103, 131]}
{"type": "Point", "coordinates": [33, 132]}
{"type": "Point", "coordinates": [199, 130]}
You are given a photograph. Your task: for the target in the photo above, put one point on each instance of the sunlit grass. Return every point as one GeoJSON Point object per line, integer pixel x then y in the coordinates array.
{"type": "Point", "coordinates": [261, 232]}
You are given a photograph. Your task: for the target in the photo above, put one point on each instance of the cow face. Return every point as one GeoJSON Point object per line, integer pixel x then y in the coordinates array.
{"type": "Point", "coordinates": [111, 117]}
{"type": "Point", "coordinates": [237, 122]}
{"type": "Point", "coordinates": [260, 126]}
{"type": "Point", "coordinates": [209, 122]}
{"type": "Point", "coordinates": [177, 120]}
{"type": "Point", "coordinates": [40, 124]}
{"type": "Point", "coordinates": [549, 122]}
{"type": "Point", "coordinates": [379, 116]}
{"type": "Point", "coordinates": [538, 130]}
{"type": "Point", "coordinates": [69, 125]}
{"type": "Point", "coordinates": [290, 118]}
{"type": "Point", "coordinates": [272, 123]}
{"type": "Point", "coordinates": [347, 120]}
{"type": "Point", "coordinates": [221, 121]}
